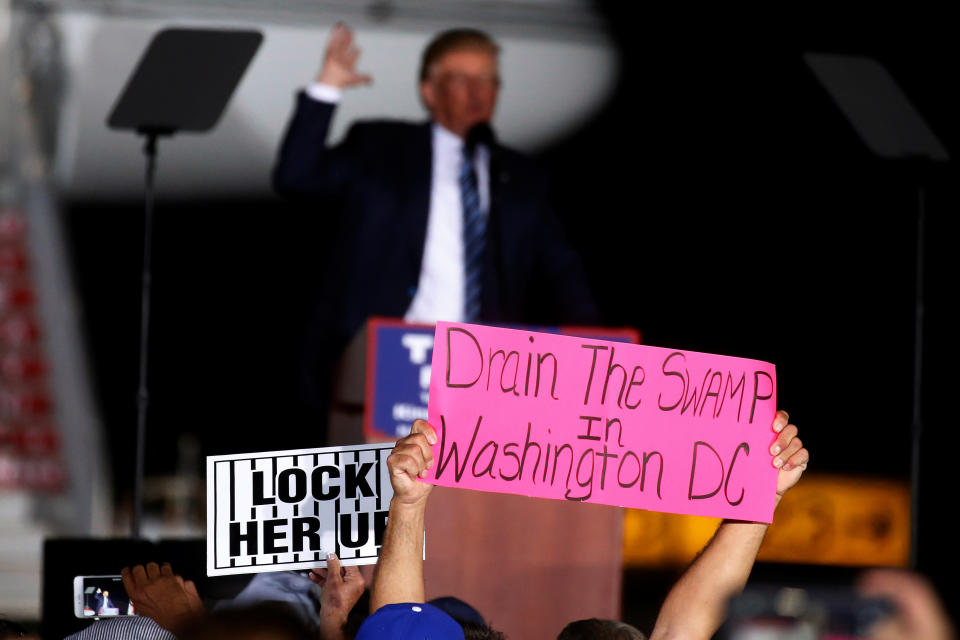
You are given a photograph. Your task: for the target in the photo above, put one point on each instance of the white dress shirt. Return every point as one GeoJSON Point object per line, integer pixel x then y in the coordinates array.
{"type": "Point", "coordinates": [440, 290]}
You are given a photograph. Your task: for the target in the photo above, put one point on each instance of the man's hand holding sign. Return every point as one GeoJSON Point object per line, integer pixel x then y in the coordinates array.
{"type": "Point", "coordinates": [399, 576]}
{"type": "Point", "coordinates": [789, 455]}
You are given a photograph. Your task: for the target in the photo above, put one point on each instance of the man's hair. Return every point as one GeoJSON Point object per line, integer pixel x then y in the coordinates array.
{"type": "Point", "coordinates": [474, 631]}
{"type": "Point", "coordinates": [455, 40]}
{"type": "Point", "coordinates": [595, 629]}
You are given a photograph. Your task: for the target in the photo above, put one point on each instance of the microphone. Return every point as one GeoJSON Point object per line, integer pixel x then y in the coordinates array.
{"type": "Point", "coordinates": [480, 133]}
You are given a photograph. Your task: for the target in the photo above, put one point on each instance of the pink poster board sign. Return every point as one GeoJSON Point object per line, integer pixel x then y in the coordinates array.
{"type": "Point", "coordinates": [569, 418]}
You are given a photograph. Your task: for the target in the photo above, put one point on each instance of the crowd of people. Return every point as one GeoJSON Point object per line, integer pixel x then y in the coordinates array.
{"type": "Point", "coordinates": [336, 602]}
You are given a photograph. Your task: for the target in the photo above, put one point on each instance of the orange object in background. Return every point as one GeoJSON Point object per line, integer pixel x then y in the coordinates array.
{"type": "Point", "coordinates": [825, 519]}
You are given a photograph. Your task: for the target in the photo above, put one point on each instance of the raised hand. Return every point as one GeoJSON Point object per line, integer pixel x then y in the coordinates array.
{"type": "Point", "coordinates": [340, 60]}
{"type": "Point", "coordinates": [399, 576]}
{"type": "Point", "coordinates": [342, 587]}
{"type": "Point", "coordinates": [160, 594]}
{"type": "Point", "coordinates": [411, 460]}
{"type": "Point", "coordinates": [788, 453]}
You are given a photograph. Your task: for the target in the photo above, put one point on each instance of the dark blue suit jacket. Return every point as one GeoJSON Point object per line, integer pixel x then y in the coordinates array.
{"type": "Point", "coordinates": [375, 186]}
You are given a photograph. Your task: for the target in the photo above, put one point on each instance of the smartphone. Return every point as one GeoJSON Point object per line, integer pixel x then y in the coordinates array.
{"type": "Point", "coordinates": [100, 597]}
{"type": "Point", "coordinates": [768, 613]}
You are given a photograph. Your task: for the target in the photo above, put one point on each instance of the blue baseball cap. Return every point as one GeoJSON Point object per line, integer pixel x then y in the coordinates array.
{"type": "Point", "coordinates": [410, 620]}
{"type": "Point", "coordinates": [458, 610]}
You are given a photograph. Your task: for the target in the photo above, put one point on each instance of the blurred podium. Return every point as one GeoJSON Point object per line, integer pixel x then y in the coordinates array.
{"type": "Point", "coordinates": [528, 565]}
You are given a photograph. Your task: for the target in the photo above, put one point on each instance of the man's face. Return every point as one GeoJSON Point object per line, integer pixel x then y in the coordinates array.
{"type": "Point", "coordinates": [461, 89]}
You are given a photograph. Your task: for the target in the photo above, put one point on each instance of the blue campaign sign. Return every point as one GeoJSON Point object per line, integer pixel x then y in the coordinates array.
{"type": "Point", "coordinates": [398, 377]}
{"type": "Point", "coordinates": [398, 371]}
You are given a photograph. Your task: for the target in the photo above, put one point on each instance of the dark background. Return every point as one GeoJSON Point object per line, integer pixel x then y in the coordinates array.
{"type": "Point", "coordinates": [721, 203]}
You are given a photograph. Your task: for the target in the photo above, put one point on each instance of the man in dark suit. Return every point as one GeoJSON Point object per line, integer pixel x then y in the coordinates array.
{"type": "Point", "coordinates": [105, 604]}
{"type": "Point", "coordinates": [433, 221]}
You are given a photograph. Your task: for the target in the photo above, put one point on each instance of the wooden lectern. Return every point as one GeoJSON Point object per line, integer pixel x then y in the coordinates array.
{"type": "Point", "coordinates": [528, 565]}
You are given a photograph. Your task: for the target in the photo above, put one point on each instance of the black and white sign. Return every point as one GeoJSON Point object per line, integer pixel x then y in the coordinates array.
{"type": "Point", "coordinates": [283, 510]}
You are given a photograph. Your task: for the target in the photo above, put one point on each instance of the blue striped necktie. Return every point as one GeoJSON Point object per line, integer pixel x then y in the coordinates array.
{"type": "Point", "coordinates": [474, 237]}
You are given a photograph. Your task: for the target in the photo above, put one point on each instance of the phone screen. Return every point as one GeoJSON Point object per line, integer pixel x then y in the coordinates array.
{"type": "Point", "coordinates": [103, 596]}
{"type": "Point", "coordinates": [815, 613]}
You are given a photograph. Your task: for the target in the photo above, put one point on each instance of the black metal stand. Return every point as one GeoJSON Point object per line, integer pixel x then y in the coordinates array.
{"type": "Point", "coordinates": [182, 83]}
{"type": "Point", "coordinates": [892, 128]}
{"type": "Point", "coordinates": [916, 424]}
{"type": "Point", "coordinates": [143, 397]}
